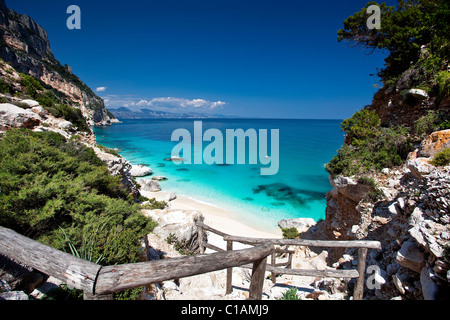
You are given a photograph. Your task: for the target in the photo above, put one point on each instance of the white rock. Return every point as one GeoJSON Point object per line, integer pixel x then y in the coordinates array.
{"type": "Point", "coordinates": [394, 209]}
{"type": "Point", "coordinates": [301, 224]}
{"type": "Point", "coordinates": [420, 166]}
{"type": "Point", "coordinates": [65, 125]}
{"type": "Point", "coordinates": [30, 103]}
{"type": "Point", "coordinates": [149, 185]}
{"type": "Point", "coordinates": [180, 223]}
{"type": "Point", "coordinates": [170, 197]}
{"type": "Point", "coordinates": [419, 93]}
{"type": "Point", "coordinates": [159, 178]}
{"type": "Point", "coordinates": [140, 171]}
{"type": "Point", "coordinates": [12, 116]}
{"type": "Point", "coordinates": [385, 171]}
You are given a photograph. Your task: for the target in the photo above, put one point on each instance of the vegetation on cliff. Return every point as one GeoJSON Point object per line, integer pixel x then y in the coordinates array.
{"type": "Point", "coordinates": [415, 34]}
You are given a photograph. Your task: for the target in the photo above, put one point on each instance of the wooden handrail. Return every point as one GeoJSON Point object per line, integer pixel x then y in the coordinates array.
{"type": "Point", "coordinates": [362, 245]}
{"type": "Point", "coordinates": [121, 277]}
{"type": "Point", "coordinates": [307, 243]}
{"type": "Point", "coordinates": [94, 279]}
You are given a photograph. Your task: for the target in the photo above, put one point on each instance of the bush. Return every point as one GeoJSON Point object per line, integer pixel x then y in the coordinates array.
{"type": "Point", "coordinates": [32, 86]}
{"type": "Point", "coordinates": [290, 233]}
{"type": "Point", "coordinates": [49, 184]}
{"type": "Point", "coordinates": [362, 125]}
{"type": "Point", "coordinates": [291, 294]}
{"type": "Point", "coordinates": [373, 150]}
{"type": "Point", "coordinates": [427, 124]}
{"type": "Point", "coordinates": [4, 87]}
{"type": "Point", "coordinates": [445, 125]}
{"type": "Point", "coordinates": [441, 158]}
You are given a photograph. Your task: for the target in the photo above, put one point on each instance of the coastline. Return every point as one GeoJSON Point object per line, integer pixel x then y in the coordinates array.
{"type": "Point", "coordinates": [216, 217]}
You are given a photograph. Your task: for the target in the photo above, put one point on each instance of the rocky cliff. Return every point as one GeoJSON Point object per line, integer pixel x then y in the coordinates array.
{"type": "Point", "coordinates": [24, 44]}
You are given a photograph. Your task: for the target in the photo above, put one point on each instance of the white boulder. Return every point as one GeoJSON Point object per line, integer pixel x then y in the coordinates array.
{"type": "Point", "coordinates": [140, 171]}
{"type": "Point", "coordinates": [12, 116]}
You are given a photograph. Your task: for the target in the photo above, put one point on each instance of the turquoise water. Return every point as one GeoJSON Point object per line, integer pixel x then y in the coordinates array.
{"type": "Point", "coordinates": [296, 191]}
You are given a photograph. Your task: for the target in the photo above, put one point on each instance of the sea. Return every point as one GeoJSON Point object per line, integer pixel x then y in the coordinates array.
{"type": "Point", "coordinates": [297, 190]}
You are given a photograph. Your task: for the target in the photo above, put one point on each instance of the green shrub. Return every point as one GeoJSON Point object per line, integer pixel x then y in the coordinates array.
{"type": "Point", "coordinates": [445, 125]}
{"type": "Point", "coordinates": [441, 158]}
{"type": "Point", "coordinates": [290, 233]}
{"type": "Point", "coordinates": [32, 86]}
{"type": "Point", "coordinates": [379, 148]}
{"type": "Point", "coordinates": [48, 183]}
{"type": "Point", "coordinates": [427, 124]}
{"type": "Point", "coordinates": [362, 125]}
{"type": "Point", "coordinates": [4, 87]}
{"type": "Point", "coordinates": [291, 294]}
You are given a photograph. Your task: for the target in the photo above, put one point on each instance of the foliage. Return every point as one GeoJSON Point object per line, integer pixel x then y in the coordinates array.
{"type": "Point", "coordinates": [290, 233]}
{"type": "Point", "coordinates": [152, 204]}
{"type": "Point", "coordinates": [405, 28]}
{"type": "Point", "coordinates": [445, 125]}
{"type": "Point", "coordinates": [108, 150]}
{"type": "Point", "coordinates": [371, 147]}
{"type": "Point", "coordinates": [291, 294]}
{"type": "Point", "coordinates": [362, 125]}
{"type": "Point", "coordinates": [32, 86]}
{"type": "Point", "coordinates": [4, 87]}
{"type": "Point", "coordinates": [441, 158]}
{"type": "Point", "coordinates": [427, 124]}
{"type": "Point", "coordinates": [181, 246]}
{"type": "Point", "coordinates": [47, 182]}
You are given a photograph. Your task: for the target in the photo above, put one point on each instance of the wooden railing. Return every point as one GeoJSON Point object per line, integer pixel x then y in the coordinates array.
{"type": "Point", "coordinates": [275, 269]}
{"type": "Point", "coordinates": [99, 282]}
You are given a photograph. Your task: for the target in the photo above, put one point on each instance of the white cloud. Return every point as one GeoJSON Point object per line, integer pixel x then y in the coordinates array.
{"type": "Point", "coordinates": [101, 89]}
{"type": "Point", "coordinates": [166, 103]}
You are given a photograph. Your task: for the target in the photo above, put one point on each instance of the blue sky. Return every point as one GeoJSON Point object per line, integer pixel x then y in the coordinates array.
{"type": "Point", "coordinates": [272, 59]}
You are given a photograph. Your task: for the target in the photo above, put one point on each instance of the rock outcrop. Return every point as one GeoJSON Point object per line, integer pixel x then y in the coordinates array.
{"type": "Point", "coordinates": [411, 220]}
{"type": "Point", "coordinates": [26, 47]}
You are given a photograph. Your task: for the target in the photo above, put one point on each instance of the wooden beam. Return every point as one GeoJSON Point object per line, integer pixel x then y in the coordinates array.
{"type": "Point", "coordinates": [359, 287]}
{"type": "Point", "coordinates": [331, 273]}
{"type": "Point", "coordinates": [257, 281]}
{"type": "Point", "coordinates": [229, 271]}
{"type": "Point", "coordinates": [213, 247]}
{"type": "Point", "coordinates": [307, 243]}
{"type": "Point", "coordinates": [121, 277]}
{"type": "Point", "coordinates": [73, 271]}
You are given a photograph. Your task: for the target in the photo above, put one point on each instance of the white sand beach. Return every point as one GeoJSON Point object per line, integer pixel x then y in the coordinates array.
{"type": "Point", "coordinates": [217, 218]}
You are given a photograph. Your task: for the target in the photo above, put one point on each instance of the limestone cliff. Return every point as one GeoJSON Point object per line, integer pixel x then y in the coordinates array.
{"type": "Point", "coordinates": [24, 44]}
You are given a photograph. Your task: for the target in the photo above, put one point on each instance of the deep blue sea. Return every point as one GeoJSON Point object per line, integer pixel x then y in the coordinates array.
{"type": "Point", "coordinates": [296, 191]}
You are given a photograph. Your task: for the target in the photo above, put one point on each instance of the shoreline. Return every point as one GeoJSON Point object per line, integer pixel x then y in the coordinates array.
{"type": "Point", "coordinates": [216, 217]}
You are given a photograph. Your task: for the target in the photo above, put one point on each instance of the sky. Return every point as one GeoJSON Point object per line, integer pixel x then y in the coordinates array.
{"type": "Point", "coordinates": [269, 59]}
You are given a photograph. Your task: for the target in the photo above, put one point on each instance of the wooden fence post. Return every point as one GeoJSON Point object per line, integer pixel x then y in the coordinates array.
{"type": "Point", "coordinates": [201, 247]}
{"type": "Point", "coordinates": [359, 287]}
{"type": "Point", "coordinates": [272, 262]}
{"type": "Point", "coordinates": [257, 282]}
{"type": "Point", "coordinates": [229, 270]}
{"type": "Point", "coordinates": [89, 296]}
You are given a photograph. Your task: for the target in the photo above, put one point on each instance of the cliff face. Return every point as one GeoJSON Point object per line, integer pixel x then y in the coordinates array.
{"type": "Point", "coordinates": [26, 47]}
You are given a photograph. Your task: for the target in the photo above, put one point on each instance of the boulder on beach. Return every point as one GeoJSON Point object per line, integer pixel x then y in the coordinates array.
{"type": "Point", "coordinates": [301, 224]}
{"type": "Point", "coordinates": [180, 224]}
{"type": "Point", "coordinates": [149, 185]}
{"type": "Point", "coordinates": [140, 171]}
